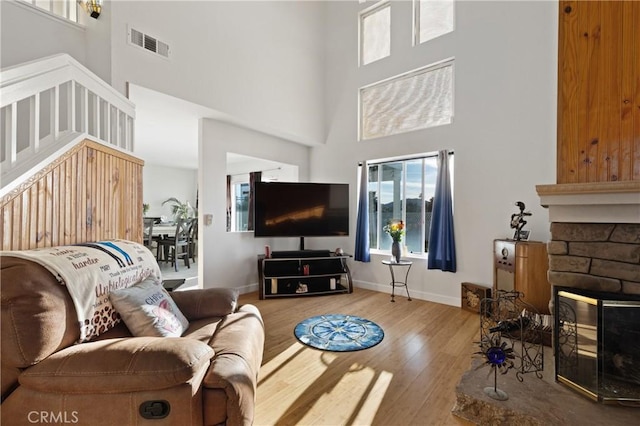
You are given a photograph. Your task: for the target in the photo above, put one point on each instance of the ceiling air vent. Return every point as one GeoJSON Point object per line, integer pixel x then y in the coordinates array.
{"type": "Point", "coordinates": [149, 43]}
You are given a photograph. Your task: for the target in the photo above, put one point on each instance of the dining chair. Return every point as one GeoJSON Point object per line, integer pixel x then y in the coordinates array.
{"type": "Point", "coordinates": [147, 234]}
{"type": "Point", "coordinates": [177, 246]}
{"type": "Point", "coordinates": [193, 239]}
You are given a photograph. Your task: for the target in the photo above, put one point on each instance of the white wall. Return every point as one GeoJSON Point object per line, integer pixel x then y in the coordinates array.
{"type": "Point", "coordinates": [231, 257]}
{"type": "Point", "coordinates": [259, 62]}
{"type": "Point", "coordinates": [240, 168]}
{"type": "Point", "coordinates": [264, 64]}
{"type": "Point", "coordinates": [28, 34]}
{"type": "Point", "coordinates": [160, 183]}
{"type": "Point", "coordinates": [503, 134]}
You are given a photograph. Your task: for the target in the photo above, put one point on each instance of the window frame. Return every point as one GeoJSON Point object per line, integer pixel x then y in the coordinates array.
{"type": "Point", "coordinates": [422, 70]}
{"type": "Point", "coordinates": [361, 16]}
{"type": "Point", "coordinates": [50, 13]}
{"type": "Point", "coordinates": [416, 24]}
{"type": "Point", "coordinates": [234, 202]}
{"type": "Point", "coordinates": [424, 231]}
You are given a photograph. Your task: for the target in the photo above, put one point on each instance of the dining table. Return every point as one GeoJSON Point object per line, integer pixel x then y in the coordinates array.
{"type": "Point", "coordinates": [164, 229]}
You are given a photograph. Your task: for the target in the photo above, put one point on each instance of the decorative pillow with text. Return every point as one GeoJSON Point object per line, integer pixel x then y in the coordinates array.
{"type": "Point", "coordinates": [148, 310]}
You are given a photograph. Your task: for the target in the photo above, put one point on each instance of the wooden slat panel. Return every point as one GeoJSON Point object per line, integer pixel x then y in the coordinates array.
{"type": "Point", "coordinates": [108, 206]}
{"type": "Point", "coordinates": [55, 205]}
{"type": "Point", "coordinates": [16, 225]}
{"type": "Point", "coordinates": [32, 231]}
{"type": "Point", "coordinates": [116, 195]}
{"type": "Point", "coordinates": [24, 228]}
{"type": "Point", "coordinates": [47, 230]}
{"type": "Point", "coordinates": [131, 204]}
{"type": "Point", "coordinates": [626, 113]}
{"type": "Point", "coordinates": [72, 203]}
{"type": "Point", "coordinates": [5, 230]}
{"type": "Point", "coordinates": [92, 192]}
{"type": "Point", "coordinates": [635, 36]}
{"type": "Point", "coordinates": [140, 198]}
{"type": "Point", "coordinates": [41, 212]}
{"type": "Point", "coordinates": [598, 91]}
{"type": "Point", "coordinates": [610, 89]}
{"type": "Point", "coordinates": [583, 60]}
{"type": "Point", "coordinates": [126, 203]}
{"type": "Point", "coordinates": [100, 207]}
{"type": "Point", "coordinates": [588, 171]}
{"type": "Point", "coordinates": [567, 94]}
{"type": "Point", "coordinates": [83, 182]}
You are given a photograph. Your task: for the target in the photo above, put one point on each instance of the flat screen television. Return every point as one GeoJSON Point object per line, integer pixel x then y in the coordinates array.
{"type": "Point", "coordinates": [299, 209]}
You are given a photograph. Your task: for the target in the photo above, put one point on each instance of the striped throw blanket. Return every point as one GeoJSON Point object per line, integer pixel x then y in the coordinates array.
{"type": "Point", "coordinates": [90, 271]}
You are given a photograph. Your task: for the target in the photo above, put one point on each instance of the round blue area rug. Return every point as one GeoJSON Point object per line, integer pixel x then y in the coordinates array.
{"type": "Point", "coordinates": [338, 333]}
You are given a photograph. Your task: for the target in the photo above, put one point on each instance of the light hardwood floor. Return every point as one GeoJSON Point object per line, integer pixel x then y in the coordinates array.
{"type": "Point", "coordinates": [407, 379]}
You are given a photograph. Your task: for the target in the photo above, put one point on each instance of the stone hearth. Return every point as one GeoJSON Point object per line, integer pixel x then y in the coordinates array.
{"type": "Point", "coordinates": [532, 402]}
{"type": "Point", "coordinates": [595, 245]}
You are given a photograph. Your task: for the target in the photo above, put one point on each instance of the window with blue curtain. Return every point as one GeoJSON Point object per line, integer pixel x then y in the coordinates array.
{"type": "Point", "coordinates": [402, 189]}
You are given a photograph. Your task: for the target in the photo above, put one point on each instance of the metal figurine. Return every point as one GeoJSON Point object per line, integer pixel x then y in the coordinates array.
{"type": "Point", "coordinates": [517, 220]}
{"type": "Point", "coordinates": [510, 338]}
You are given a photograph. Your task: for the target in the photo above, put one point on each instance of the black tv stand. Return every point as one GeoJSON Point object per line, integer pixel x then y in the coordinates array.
{"type": "Point", "coordinates": [300, 253]}
{"type": "Point", "coordinates": [303, 273]}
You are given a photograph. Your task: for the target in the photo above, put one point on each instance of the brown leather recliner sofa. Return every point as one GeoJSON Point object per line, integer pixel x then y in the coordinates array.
{"type": "Point", "coordinates": [207, 376]}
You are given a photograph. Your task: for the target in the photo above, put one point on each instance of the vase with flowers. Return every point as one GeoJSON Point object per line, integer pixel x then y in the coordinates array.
{"type": "Point", "coordinates": [395, 229]}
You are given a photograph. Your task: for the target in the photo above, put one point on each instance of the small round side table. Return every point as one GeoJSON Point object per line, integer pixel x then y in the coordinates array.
{"type": "Point", "coordinates": [394, 283]}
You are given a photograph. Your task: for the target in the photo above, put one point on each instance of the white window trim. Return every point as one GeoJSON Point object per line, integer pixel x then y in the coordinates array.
{"type": "Point", "coordinates": [50, 15]}
{"type": "Point", "coordinates": [384, 252]}
{"type": "Point", "coordinates": [236, 180]}
{"type": "Point", "coordinates": [416, 24]}
{"type": "Point", "coordinates": [436, 65]}
{"type": "Point", "coordinates": [364, 13]}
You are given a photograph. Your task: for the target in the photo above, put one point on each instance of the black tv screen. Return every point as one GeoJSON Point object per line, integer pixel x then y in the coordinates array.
{"type": "Point", "coordinates": [298, 209]}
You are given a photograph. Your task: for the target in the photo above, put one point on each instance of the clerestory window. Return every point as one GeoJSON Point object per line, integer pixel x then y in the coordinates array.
{"type": "Point", "coordinates": [375, 33]}
{"type": "Point", "coordinates": [432, 18]}
{"type": "Point", "coordinates": [411, 101]}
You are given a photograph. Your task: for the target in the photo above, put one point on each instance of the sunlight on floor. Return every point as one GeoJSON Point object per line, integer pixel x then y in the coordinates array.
{"type": "Point", "coordinates": [343, 393]}
{"type": "Point", "coordinates": [373, 399]}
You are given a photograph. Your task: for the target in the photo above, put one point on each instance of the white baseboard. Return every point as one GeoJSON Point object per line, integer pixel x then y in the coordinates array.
{"type": "Point", "coordinates": [384, 288]}
{"type": "Point", "coordinates": [430, 297]}
{"type": "Point", "coordinates": [248, 288]}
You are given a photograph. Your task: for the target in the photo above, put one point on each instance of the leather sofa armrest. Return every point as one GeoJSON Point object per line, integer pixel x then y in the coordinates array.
{"type": "Point", "coordinates": [235, 367]}
{"type": "Point", "coordinates": [119, 365]}
{"type": "Point", "coordinates": [206, 303]}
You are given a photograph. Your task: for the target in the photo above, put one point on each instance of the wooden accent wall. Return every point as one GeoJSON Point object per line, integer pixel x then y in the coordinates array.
{"type": "Point", "coordinates": [90, 193]}
{"type": "Point", "coordinates": [598, 91]}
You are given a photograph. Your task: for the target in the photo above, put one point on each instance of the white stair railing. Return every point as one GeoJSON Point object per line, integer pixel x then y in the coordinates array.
{"type": "Point", "coordinates": [52, 103]}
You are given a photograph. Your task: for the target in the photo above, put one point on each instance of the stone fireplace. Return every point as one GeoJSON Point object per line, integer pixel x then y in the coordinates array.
{"type": "Point", "coordinates": [595, 235]}
{"type": "Point", "coordinates": [597, 344]}
{"type": "Point", "coordinates": [595, 256]}
{"type": "Point", "coordinates": [595, 247]}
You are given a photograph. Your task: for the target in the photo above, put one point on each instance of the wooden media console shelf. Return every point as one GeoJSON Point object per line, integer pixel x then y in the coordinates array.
{"type": "Point", "coordinates": [303, 273]}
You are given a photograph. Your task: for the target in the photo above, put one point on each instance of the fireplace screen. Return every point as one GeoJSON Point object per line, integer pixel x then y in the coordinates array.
{"type": "Point", "coordinates": [597, 344]}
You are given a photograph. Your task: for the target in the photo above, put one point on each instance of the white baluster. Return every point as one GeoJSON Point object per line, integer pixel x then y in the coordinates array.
{"type": "Point", "coordinates": [73, 106]}
{"type": "Point", "coordinates": [34, 122]}
{"type": "Point", "coordinates": [56, 113]}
